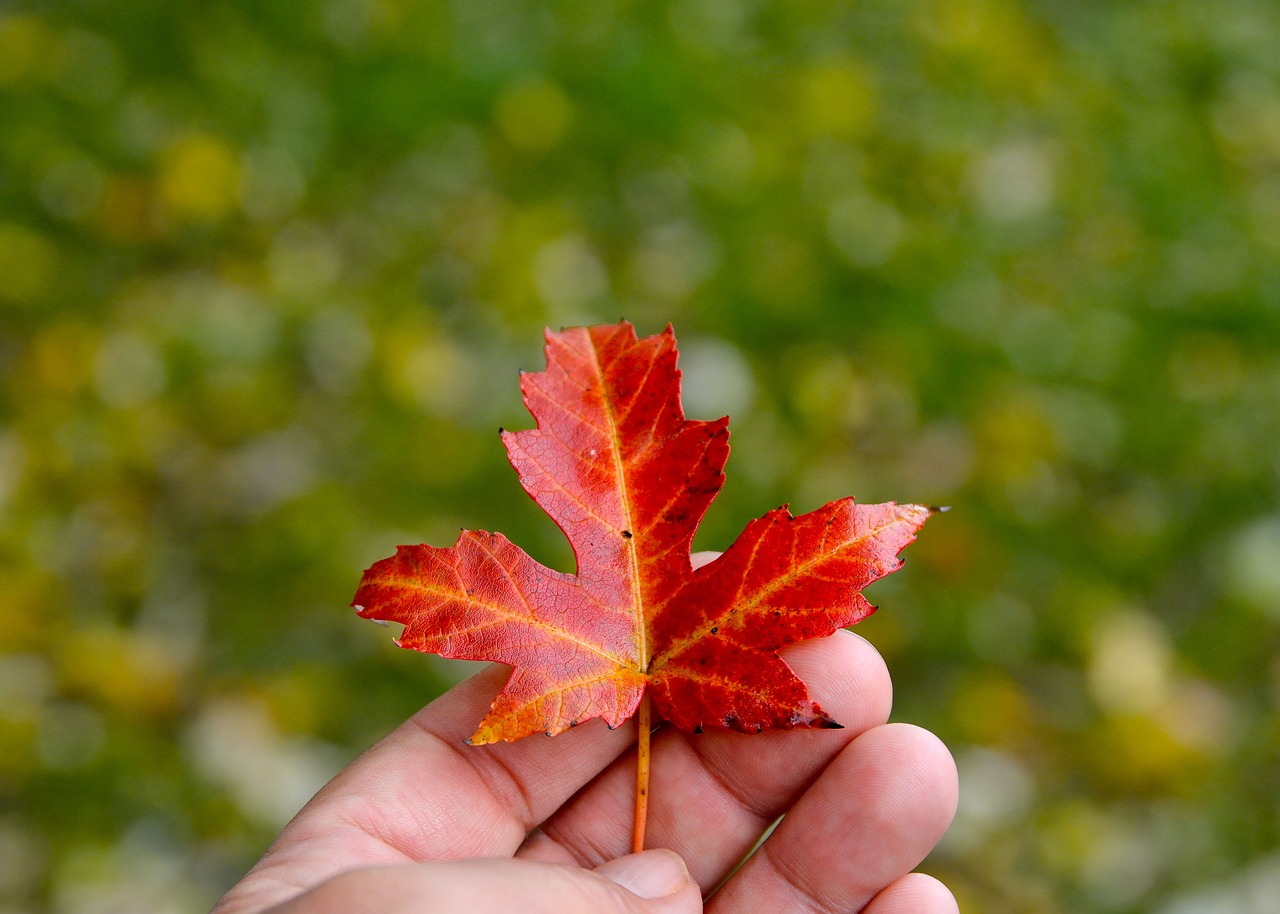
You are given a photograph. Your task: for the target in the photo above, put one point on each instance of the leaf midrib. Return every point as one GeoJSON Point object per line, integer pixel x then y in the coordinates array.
{"type": "Point", "coordinates": [641, 627]}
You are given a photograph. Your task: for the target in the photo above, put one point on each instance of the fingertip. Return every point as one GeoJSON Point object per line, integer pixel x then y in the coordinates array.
{"type": "Point", "coordinates": [847, 676]}
{"type": "Point", "coordinates": [936, 757]}
{"type": "Point", "coordinates": [927, 782]}
{"type": "Point", "coordinates": [914, 893]}
{"type": "Point", "coordinates": [699, 559]}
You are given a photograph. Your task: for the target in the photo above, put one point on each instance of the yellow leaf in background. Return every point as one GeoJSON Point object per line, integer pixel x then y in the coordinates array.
{"type": "Point", "coordinates": [125, 670]}
{"type": "Point", "coordinates": [838, 99]}
{"type": "Point", "coordinates": [28, 263]}
{"type": "Point", "coordinates": [534, 116]}
{"type": "Point", "coordinates": [200, 178]}
{"type": "Point", "coordinates": [26, 48]}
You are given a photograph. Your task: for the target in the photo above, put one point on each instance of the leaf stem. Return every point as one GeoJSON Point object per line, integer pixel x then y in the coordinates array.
{"type": "Point", "coordinates": [643, 725]}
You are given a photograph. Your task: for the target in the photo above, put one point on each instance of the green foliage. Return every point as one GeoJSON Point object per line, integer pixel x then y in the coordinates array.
{"type": "Point", "coordinates": [267, 272]}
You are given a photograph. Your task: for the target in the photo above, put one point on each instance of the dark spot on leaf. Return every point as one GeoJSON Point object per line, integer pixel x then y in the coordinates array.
{"type": "Point", "coordinates": [715, 629]}
{"type": "Point", "coordinates": [759, 728]}
{"type": "Point", "coordinates": [626, 534]}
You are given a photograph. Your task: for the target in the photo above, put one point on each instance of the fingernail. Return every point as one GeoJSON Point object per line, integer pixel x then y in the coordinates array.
{"type": "Point", "coordinates": [651, 874]}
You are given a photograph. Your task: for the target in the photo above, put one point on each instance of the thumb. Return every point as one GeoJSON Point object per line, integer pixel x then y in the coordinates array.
{"type": "Point", "coordinates": [653, 882]}
{"type": "Point", "coordinates": [650, 874]}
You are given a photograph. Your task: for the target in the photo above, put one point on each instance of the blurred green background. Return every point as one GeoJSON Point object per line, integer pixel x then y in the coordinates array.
{"type": "Point", "coordinates": [268, 271]}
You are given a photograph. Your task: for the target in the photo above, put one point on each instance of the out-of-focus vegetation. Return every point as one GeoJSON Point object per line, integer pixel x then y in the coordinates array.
{"type": "Point", "coordinates": [267, 272]}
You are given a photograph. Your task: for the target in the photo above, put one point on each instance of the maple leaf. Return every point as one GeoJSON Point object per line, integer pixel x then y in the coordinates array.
{"type": "Point", "coordinates": [627, 478]}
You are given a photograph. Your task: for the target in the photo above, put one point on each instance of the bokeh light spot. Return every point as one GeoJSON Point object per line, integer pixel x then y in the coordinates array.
{"type": "Point", "coordinates": [200, 178]}
{"type": "Point", "coordinates": [28, 261]}
{"type": "Point", "coordinates": [534, 116]}
{"type": "Point", "coordinates": [838, 98]}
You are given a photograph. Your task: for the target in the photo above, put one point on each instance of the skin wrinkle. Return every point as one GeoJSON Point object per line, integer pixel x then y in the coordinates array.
{"type": "Point", "coordinates": [382, 830]}
{"type": "Point", "coordinates": [760, 812]}
{"type": "Point", "coordinates": [534, 814]}
{"type": "Point", "coordinates": [811, 897]}
{"type": "Point", "coordinates": [477, 762]}
{"type": "Point", "coordinates": [494, 760]}
{"type": "Point", "coordinates": [474, 762]}
{"type": "Point", "coordinates": [584, 850]}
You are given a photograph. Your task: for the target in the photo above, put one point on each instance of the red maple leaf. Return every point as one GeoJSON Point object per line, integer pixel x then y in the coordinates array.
{"type": "Point", "coordinates": [627, 478]}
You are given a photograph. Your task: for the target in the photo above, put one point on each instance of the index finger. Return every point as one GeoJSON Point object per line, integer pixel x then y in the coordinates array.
{"type": "Point", "coordinates": [423, 794]}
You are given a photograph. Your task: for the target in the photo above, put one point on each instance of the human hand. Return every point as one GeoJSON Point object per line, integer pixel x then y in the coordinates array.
{"type": "Point", "coordinates": [424, 822]}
